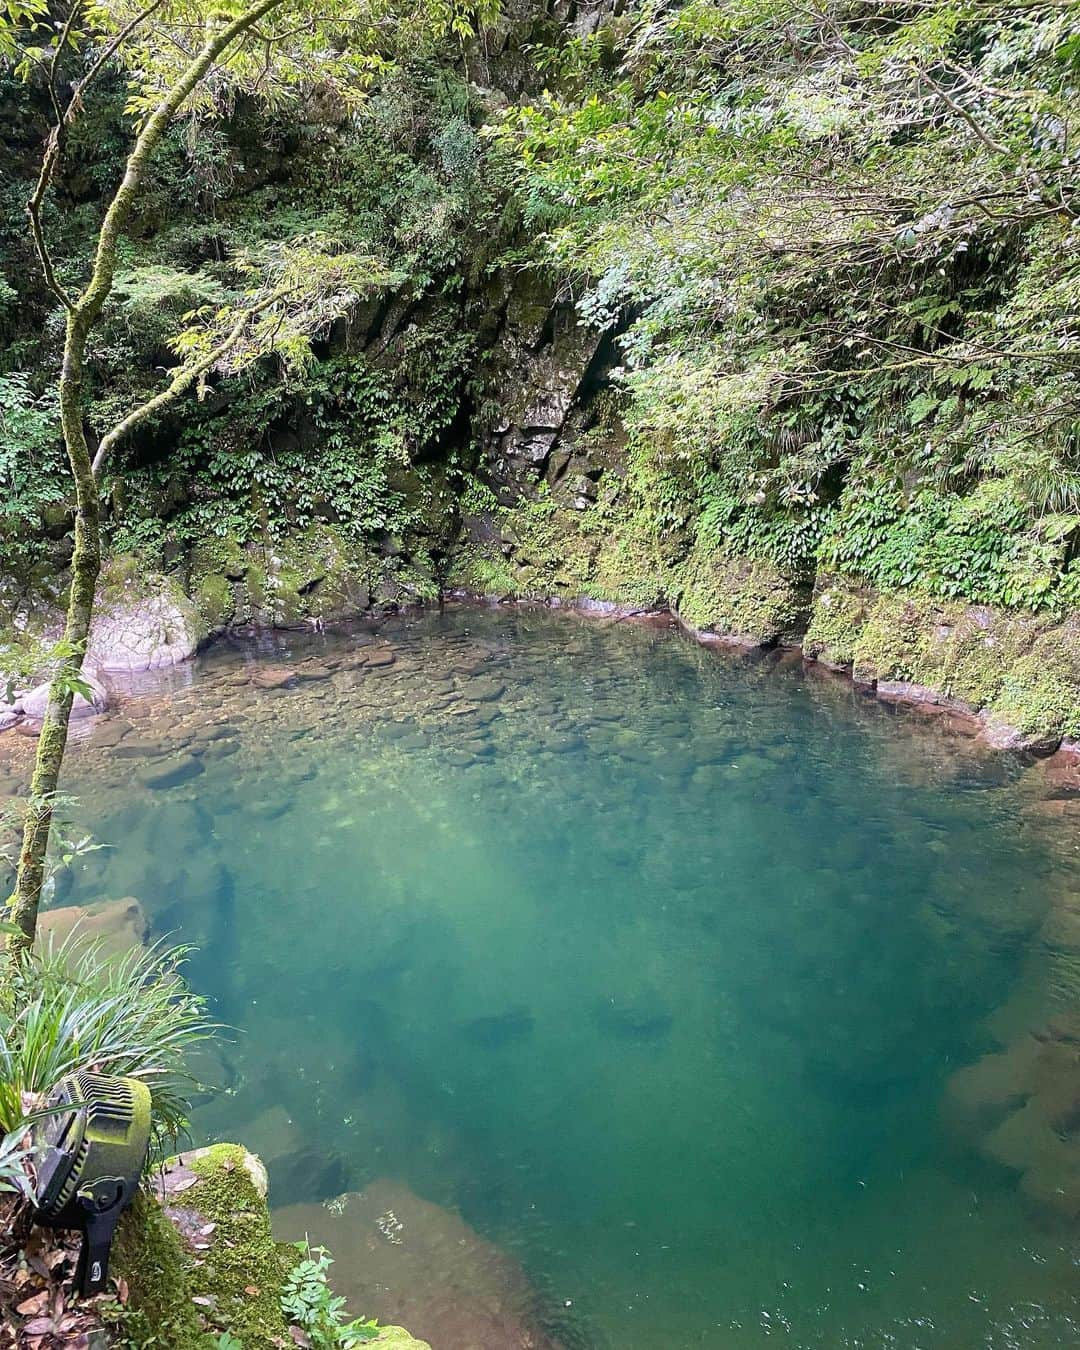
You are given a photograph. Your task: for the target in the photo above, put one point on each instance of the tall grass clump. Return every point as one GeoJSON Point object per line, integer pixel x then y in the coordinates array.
{"type": "Point", "coordinates": [72, 1006]}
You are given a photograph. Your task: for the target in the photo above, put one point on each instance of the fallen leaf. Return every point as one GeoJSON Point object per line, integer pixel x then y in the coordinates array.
{"type": "Point", "coordinates": [122, 1291]}
{"type": "Point", "coordinates": [252, 1289]}
{"type": "Point", "coordinates": [40, 1326]}
{"type": "Point", "coordinates": [203, 1300]}
{"type": "Point", "coordinates": [30, 1307]}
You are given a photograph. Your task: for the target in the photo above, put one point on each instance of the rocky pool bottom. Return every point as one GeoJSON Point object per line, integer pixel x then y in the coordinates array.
{"type": "Point", "coordinates": [593, 989]}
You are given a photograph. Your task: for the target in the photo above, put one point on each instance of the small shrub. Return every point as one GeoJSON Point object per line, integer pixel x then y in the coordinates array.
{"type": "Point", "coordinates": [308, 1302]}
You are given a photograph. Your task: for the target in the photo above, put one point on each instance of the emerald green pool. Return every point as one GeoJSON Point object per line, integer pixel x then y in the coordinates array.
{"type": "Point", "coordinates": [659, 967]}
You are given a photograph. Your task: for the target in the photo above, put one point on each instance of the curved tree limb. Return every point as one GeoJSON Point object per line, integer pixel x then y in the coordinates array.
{"type": "Point", "coordinates": [186, 377]}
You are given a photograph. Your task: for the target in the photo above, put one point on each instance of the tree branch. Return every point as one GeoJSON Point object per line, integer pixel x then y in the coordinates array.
{"type": "Point", "coordinates": [186, 377]}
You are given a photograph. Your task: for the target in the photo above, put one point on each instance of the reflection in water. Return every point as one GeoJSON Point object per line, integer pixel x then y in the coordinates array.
{"type": "Point", "coordinates": [615, 992]}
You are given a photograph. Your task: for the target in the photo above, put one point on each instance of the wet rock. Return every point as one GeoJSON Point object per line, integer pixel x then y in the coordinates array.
{"type": "Point", "coordinates": [216, 732]}
{"type": "Point", "coordinates": [313, 671]}
{"type": "Point", "coordinates": [379, 657]}
{"type": "Point", "coordinates": [273, 677]}
{"type": "Point", "coordinates": [404, 1259]}
{"type": "Point", "coordinates": [119, 925]}
{"type": "Point", "coordinates": [138, 747]}
{"type": "Point", "coordinates": [1001, 735]}
{"type": "Point", "coordinates": [109, 732]}
{"type": "Point", "coordinates": [171, 774]}
{"type": "Point", "coordinates": [484, 690]}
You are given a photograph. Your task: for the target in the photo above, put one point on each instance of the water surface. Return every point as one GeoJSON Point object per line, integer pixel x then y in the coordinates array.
{"type": "Point", "coordinates": [659, 968]}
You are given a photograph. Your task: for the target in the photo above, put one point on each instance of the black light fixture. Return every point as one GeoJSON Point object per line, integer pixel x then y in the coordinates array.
{"type": "Point", "coordinates": [91, 1150]}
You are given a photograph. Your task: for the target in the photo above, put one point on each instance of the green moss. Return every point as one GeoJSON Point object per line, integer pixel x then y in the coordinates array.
{"type": "Point", "coordinates": [243, 1256]}
{"type": "Point", "coordinates": [893, 643]}
{"type": "Point", "coordinates": [214, 603]}
{"type": "Point", "coordinates": [836, 620]}
{"type": "Point", "coordinates": [397, 1338]}
{"type": "Point", "coordinates": [1040, 694]}
{"type": "Point", "coordinates": [149, 1257]}
{"type": "Point", "coordinates": [734, 597]}
{"type": "Point", "coordinates": [181, 1299]}
{"type": "Point", "coordinates": [481, 570]}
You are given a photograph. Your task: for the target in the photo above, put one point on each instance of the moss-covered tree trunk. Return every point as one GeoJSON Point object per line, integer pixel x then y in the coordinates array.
{"type": "Point", "coordinates": [85, 567]}
{"type": "Point", "coordinates": [83, 313]}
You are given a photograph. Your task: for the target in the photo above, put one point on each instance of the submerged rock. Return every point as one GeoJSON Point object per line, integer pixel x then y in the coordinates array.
{"type": "Point", "coordinates": [400, 1258]}
{"type": "Point", "coordinates": [273, 677]}
{"type": "Point", "coordinates": [172, 774]}
{"type": "Point", "coordinates": [119, 925]}
{"type": "Point", "coordinates": [493, 1033]}
{"type": "Point", "coordinates": [637, 1018]}
{"type": "Point", "coordinates": [1021, 1107]}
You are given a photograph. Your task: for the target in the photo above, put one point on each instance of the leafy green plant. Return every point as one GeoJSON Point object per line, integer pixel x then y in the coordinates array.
{"type": "Point", "coordinates": [14, 1153]}
{"type": "Point", "coordinates": [308, 1302]}
{"type": "Point", "coordinates": [71, 1006]}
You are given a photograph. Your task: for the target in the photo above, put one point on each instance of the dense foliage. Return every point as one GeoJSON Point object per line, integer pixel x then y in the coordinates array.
{"type": "Point", "coordinates": [836, 245]}
{"type": "Point", "coordinates": [840, 241]}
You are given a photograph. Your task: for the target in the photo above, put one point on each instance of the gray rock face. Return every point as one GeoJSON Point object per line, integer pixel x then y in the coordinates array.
{"type": "Point", "coordinates": [149, 633]}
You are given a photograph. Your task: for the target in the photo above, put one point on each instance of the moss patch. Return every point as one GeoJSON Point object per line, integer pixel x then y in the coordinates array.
{"type": "Point", "coordinates": [837, 617]}
{"type": "Point", "coordinates": [204, 1264]}
{"type": "Point", "coordinates": [1041, 692]}
{"type": "Point", "coordinates": [149, 1256]}
{"type": "Point", "coordinates": [747, 601]}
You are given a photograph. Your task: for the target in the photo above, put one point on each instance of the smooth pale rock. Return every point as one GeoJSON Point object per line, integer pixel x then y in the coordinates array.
{"type": "Point", "coordinates": [34, 702]}
{"type": "Point", "coordinates": [120, 925]}
{"type": "Point", "coordinates": [399, 1258]}
{"type": "Point", "coordinates": [143, 633]}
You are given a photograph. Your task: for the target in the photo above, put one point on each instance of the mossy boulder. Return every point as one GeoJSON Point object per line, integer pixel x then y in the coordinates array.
{"type": "Point", "coordinates": [143, 620]}
{"type": "Point", "coordinates": [747, 602]}
{"type": "Point", "coordinates": [837, 617]}
{"type": "Point", "coordinates": [316, 575]}
{"type": "Point", "coordinates": [199, 1259]}
{"type": "Point", "coordinates": [1039, 697]}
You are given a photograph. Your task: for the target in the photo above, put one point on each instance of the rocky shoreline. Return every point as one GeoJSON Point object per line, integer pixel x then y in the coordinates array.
{"type": "Point", "coordinates": [157, 630]}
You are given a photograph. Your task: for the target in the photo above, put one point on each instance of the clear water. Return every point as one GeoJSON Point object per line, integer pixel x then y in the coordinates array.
{"type": "Point", "coordinates": [655, 967]}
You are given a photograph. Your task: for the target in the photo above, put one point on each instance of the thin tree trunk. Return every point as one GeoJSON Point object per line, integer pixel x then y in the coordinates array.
{"type": "Point", "coordinates": [85, 567]}
{"type": "Point", "coordinates": [86, 557]}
